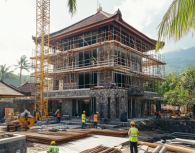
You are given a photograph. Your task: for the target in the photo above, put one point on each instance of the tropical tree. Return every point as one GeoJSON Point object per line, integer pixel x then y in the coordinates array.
{"type": "Point", "coordinates": [22, 64]}
{"type": "Point", "coordinates": [5, 72]}
{"type": "Point", "coordinates": [177, 21]}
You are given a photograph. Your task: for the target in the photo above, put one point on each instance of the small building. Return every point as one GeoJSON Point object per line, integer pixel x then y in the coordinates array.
{"type": "Point", "coordinates": [8, 100]}
{"type": "Point", "coordinates": [103, 64]}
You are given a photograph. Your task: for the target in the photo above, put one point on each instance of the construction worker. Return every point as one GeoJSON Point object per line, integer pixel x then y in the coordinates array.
{"type": "Point", "coordinates": [53, 148]}
{"type": "Point", "coordinates": [133, 133]}
{"type": "Point", "coordinates": [58, 117]}
{"type": "Point", "coordinates": [83, 118]}
{"type": "Point", "coordinates": [95, 119]}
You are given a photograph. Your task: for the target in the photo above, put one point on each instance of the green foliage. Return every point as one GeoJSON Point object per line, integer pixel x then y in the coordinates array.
{"type": "Point", "coordinates": [178, 21]}
{"type": "Point", "coordinates": [22, 64]}
{"type": "Point", "coordinates": [72, 5]}
{"type": "Point", "coordinates": [5, 72]}
{"type": "Point", "coordinates": [179, 89]}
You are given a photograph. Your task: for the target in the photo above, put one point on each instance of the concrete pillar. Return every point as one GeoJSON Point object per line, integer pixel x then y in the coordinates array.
{"type": "Point", "coordinates": [131, 108]}
{"type": "Point", "coordinates": [77, 107]}
{"type": "Point", "coordinates": [143, 149]}
{"type": "Point", "coordinates": [159, 105]}
{"type": "Point", "coordinates": [157, 149]}
{"type": "Point", "coordinates": [163, 150]}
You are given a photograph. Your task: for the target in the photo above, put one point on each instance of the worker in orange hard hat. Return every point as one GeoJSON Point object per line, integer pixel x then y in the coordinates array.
{"type": "Point", "coordinates": [53, 148]}
{"type": "Point", "coordinates": [95, 119]}
{"type": "Point", "coordinates": [83, 118]}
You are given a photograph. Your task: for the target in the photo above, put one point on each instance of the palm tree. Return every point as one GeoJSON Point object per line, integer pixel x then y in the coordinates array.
{"type": "Point", "coordinates": [5, 73]}
{"type": "Point", "coordinates": [22, 64]}
{"type": "Point", "coordinates": [177, 22]}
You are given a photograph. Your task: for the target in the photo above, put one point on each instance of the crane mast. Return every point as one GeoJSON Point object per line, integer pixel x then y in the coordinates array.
{"type": "Point", "coordinates": [42, 60]}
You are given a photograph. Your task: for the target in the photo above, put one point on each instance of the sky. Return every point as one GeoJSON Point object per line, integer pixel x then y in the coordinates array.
{"type": "Point", "coordinates": [18, 22]}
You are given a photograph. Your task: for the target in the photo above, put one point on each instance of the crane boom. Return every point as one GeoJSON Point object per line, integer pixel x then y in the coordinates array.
{"type": "Point", "coordinates": [42, 63]}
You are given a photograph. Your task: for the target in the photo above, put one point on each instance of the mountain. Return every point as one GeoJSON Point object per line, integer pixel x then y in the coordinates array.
{"type": "Point", "coordinates": [178, 61]}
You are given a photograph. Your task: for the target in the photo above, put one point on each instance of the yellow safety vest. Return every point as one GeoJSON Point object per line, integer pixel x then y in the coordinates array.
{"type": "Point", "coordinates": [133, 134]}
{"type": "Point", "coordinates": [53, 149]}
{"type": "Point", "coordinates": [83, 118]}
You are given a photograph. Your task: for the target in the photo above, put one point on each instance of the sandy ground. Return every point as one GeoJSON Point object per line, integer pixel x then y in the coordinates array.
{"type": "Point", "coordinates": [36, 147]}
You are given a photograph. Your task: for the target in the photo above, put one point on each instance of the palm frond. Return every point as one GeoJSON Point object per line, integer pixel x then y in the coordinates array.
{"type": "Point", "coordinates": [177, 22]}
{"type": "Point", "coordinates": [72, 5]}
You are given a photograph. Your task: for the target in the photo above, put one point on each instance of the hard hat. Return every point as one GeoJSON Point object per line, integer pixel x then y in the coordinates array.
{"type": "Point", "coordinates": [132, 123]}
{"type": "Point", "coordinates": [53, 142]}
{"type": "Point", "coordinates": [83, 111]}
{"type": "Point", "coordinates": [97, 112]}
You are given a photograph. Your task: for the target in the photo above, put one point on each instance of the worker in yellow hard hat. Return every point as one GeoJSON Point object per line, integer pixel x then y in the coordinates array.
{"type": "Point", "coordinates": [95, 119]}
{"type": "Point", "coordinates": [83, 118]}
{"type": "Point", "coordinates": [53, 148]}
{"type": "Point", "coordinates": [133, 133]}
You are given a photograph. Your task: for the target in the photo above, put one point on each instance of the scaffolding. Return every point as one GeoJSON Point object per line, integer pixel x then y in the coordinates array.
{"type": "Point", "coordinates": [108, 56]}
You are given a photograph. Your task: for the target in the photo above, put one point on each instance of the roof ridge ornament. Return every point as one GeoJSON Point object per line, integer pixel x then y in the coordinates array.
{"type": "Point", "coordinates": [100, 8]}
{"type": "Point", "coordinates": [118, 11]}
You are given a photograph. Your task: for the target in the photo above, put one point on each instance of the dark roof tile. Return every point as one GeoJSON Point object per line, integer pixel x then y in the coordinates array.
{"type": "Point", "coordinates": [28, 87]}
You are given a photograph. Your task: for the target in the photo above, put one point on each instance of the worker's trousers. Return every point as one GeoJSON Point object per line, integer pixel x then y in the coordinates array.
{"type": "Point", "coordinates": [133, 145]}
{"type": "Point", "coordinates": [58, 119]}
{"type": "Point", "coordinates": [83, 125]}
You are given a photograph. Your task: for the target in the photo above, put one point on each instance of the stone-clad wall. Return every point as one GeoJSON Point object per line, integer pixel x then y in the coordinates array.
{"type": "Point", "coordinates": [17, 146]}
{"type": "Point", "coordinates": [66, 107]}
{"type": "Point", "coordinates": [177, 126]}
{"type": "Point", "coordinates": [24, 103]}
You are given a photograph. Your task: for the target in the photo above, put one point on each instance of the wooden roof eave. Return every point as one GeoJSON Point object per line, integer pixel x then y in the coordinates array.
{"type": "Point", "coordinates": [122, 22]}
{"type": "Point", "coordinates": [13, 96]}
{"type": "Point", "coordinates": [63, 35]}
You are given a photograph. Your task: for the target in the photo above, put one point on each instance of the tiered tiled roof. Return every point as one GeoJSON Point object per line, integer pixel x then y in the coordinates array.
{"type": "Point", "coordinates": [9, 91]}
{"type": "Point", "coordinates": [28, 87]}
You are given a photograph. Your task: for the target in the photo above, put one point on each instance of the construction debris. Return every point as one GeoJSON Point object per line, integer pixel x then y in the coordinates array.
{"type": "Point", "coordinates": [12, 125]}
{"type": "Point", "coordinates": [59, 137]}
{"type": "Point", "coordinates": [170, 147]}
{"type": "Point", "coordinates": [107, 132]}
{"type": "Point", "coordinates": [102, 149]}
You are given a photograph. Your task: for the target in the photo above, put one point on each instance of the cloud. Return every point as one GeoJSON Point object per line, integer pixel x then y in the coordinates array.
{"type": "Point", "coordinates": [141, 13]}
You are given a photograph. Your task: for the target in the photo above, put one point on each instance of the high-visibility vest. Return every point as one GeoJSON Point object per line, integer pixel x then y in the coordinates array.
{"type": "Point", "coordinates": [133, 134]}
{"type": "Point", "coordinates": [54, 149]}
{"type": "Point", "coordinates": [83, 118]}
{"type": "Point", "coordinates": [58, 114]}
{"type": "Point", "coordinates": [95, 118]}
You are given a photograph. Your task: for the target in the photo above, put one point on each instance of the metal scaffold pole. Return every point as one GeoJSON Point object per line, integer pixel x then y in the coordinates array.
{"type": "Point", "coordinates": [42, 63]}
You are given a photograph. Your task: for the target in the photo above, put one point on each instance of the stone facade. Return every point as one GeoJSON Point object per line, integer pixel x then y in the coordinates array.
{"type": "Point", "coordinates": [101, 96]}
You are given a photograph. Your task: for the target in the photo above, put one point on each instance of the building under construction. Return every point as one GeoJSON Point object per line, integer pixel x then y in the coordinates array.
{"type": "Point", "coordinates": [103, 64]}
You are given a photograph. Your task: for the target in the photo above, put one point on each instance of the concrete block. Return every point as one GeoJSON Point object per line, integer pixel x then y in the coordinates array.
{"type": "Point", "coordinates": [143, 149]}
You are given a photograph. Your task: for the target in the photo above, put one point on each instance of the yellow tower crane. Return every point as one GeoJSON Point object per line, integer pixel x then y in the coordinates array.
{"type": "Point", "coordinates": [42, 60]}
{"type": "Point", "coordinates": [42, 51]}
